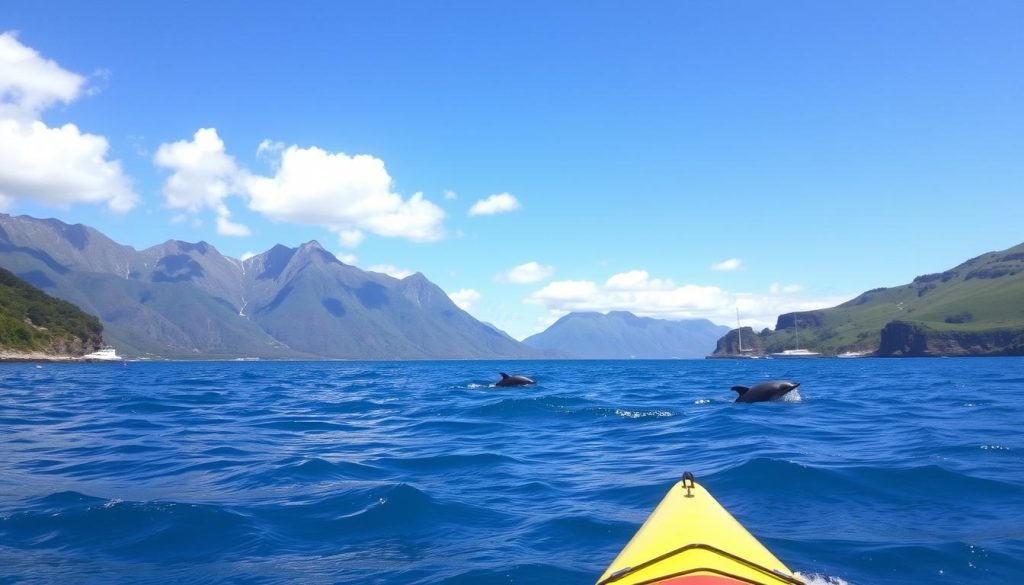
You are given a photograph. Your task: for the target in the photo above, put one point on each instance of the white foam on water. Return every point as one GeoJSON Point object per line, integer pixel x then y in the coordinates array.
{"type": "Point", "coordinates": [641, 414]}
{"type": "Point", "coordinates": [815, 579]}
{"type": "Point", "coordinates": [792, 396]}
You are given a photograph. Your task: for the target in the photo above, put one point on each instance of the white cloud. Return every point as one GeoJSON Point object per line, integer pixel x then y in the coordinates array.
{"type": "Point", "coordinates": [637, 280]}
{"type": "Point", "coordinates": [566, 293]}
{"type": "Point", "coordinates": [314, 187]}
{"type": "Point", "coordinates": [349, 195]}
{"type": "Point", "coordinates": [30, 84]}
{"type": "Point", "coordinates": [203, 175]}
{"type": "Point", "coordinates": [60, 166]}
{"type": "Point", "coordinates": [777, 288]}
{"type": "Point", "coordinates": [247, 255]}
{"type": "Point", "coordinates": [269, 150]}
{"type": "Point", "coordinates": [391, 270]}
{"type": "Point", "coordinates": [449, 194]}
{"type": "Point", "coordinates": [56, 167]}
{"type": "Point", "coordinates": [465, 298]}
{"type": "Point", "coordinates": [226, 227]}
{"type": "Point", "coordinates": [729, 265]}
{"type": "Point", "coordinates": [500, 203]}
{"type": "Point", "coordinates": [528, 273]}
{"type": "Point", "coordinates": [351, 238]}
{"type": "Point", "coordinates": [349, 259]}
{"type": "Point", "coordinates": [642, 295]}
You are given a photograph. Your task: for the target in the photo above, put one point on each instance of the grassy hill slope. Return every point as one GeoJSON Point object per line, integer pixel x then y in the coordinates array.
{"type": "Point", "coordinates": [976, 308]}
{"type": "Point", "coordinates": [33, 321]}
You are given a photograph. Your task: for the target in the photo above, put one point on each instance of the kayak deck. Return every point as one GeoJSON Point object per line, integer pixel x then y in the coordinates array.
{"type": "Point", "coordinates": [690, 539]}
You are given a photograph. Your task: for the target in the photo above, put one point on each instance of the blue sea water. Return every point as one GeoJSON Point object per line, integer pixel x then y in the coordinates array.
{"type": "Point", "coordinates": [877, 472]}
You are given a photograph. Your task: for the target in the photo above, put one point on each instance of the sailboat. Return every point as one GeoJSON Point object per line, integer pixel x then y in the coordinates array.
{"type": "Point", "coordinates": [796, 353]}
{"type": "Point", "coordinates": [744, 353]}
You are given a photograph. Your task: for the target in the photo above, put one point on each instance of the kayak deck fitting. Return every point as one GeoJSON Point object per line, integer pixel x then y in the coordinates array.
{"type": "Point", "coordinates": [690, 539]}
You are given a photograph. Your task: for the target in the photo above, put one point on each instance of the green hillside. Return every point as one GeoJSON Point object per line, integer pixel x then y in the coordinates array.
{"type": "Point", "coordinates": [976, 308]}
{"type": "Point", "coordinates": [31, 320]}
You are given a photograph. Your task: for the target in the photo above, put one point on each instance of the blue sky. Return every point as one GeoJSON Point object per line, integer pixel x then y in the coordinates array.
{"type": "Point", "coordinates": [675, 159]}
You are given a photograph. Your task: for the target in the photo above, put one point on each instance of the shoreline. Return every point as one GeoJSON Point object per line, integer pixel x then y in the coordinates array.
{"type": "Point", "coordinates": [38, 356]}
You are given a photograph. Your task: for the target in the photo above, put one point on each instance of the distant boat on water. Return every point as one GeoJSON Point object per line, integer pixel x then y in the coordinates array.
{"type": "Point", "coordinates": [854, 354]}
{"type": "Point", "coordinates": [797, 352]}
{"type": "Point", "coordinates": [106, 354]}
{"type": "Point", "coordinates": [744, 353]}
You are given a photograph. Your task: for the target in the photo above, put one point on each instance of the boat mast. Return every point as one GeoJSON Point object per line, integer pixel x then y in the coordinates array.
{"type": "Point", "coordinates": [796, 332]}
{"type": "Point", "coordinates": [739, 331]}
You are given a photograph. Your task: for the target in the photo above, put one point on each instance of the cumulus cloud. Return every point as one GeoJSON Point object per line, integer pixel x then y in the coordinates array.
{"type": "Point", "coordinates": [56, 167]}
{"type": "Point", "coordinates": [391, 270]}
{"type": "Point", "coordinates": [465, 298]}
{"type": "Point", "coordinates": [499, 203]}
{"type": "Point", "coordinates": [636, 280]}
{"type": "Point", "coordinates": [349, 195]}
{"type": "Point", "coordinates": [30, 84]}
{"type": "Point", "coordinates": [60, 166]}
{"type": "Point", "coordinates": [637, 292]}
{"type": "Point", "coordinates": [729, 265]}
{"type": "Point", "coordinates": [312, 186]}
{"type": "Point", "coordinates": [349, 259]}
{"type": "Point", "coordinates": [528, 273]}
{"type": "Point", "coordinates": [203, 175]}
{"type": "Point", "coordinates": [567, 295]}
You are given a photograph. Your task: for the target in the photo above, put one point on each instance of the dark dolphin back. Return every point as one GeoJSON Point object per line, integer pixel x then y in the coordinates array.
{"type": "Point", "coordinates": [741, 390]}
{"type": "Point", "coordinates": [764, 391]}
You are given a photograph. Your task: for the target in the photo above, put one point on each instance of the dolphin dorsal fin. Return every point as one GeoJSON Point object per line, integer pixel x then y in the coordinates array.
{"type": "Point", "coordinates": [503, 375]}
{"type": "Point", "coordinates": [740, 389]}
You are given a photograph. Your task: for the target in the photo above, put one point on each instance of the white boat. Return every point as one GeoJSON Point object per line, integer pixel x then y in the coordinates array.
{"type": "Point", "coordinates": [744, 353]}
{"type": "Point", "coordinates": [798, 352]}
{"type": "Point", "coordinates": [107, 354]}
{"type": "Point", "coordinates": [854, 354]}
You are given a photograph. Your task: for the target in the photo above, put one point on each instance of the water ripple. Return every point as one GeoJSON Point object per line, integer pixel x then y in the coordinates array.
{"type": "Point", "coordinates": [884, 471]}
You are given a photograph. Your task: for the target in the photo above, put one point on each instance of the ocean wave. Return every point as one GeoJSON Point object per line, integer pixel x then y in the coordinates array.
{"type": "Point", "coordinates": [71, 521]}
{"type": "Point", "coordinates": [377, 472]}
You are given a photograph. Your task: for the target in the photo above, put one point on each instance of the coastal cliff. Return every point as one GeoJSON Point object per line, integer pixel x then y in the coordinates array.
{"type": "Point", "coordinates": [34, 325]}
{"type": "Point", "coordinates": [974, 309]}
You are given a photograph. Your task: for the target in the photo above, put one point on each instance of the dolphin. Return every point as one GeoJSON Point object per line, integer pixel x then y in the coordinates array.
{"type": "Point", "coordinates": [764, 391]}
{"type": "Point", "coordinates": [516, 380]}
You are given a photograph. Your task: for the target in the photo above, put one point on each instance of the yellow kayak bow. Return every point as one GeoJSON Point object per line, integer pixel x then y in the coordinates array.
{"type": "Point", "coordinates": [690, 539]}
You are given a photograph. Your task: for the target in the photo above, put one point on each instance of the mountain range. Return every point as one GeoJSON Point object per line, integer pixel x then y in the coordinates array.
{"type": "Point", "coordinates": [976, 308]}
{"type": "Point", "coordinates": [186, 300]}
{"type": "Point", "coordinates": [620, 334]}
